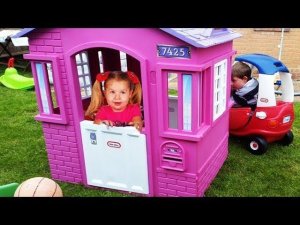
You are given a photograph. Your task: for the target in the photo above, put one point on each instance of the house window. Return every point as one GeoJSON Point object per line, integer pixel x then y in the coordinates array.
{"type": "Point", "coordinates": [46, 88]}
{"type": "Point", "coordinates": [187, 101]}
{"type": "Point", "coordinates": [49, 88]}
{"type": "Point", "coordinates": [84, 75]}
{"type": "Point", "coordinates": [173, 100]}
{"type": "Point", "coordinates": [123, 60]}
{"type": "Point", "coordinates": [220, 78]}
{"type": "Point", "coordinates": [100, 61]}
{"type": "Point", "coordinates": [179, 95]}
{"type": "Point", "coordinates": [180, 103]}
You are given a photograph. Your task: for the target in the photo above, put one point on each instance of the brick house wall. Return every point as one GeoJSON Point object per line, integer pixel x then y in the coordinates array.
{"type": "Point", "coordinates": [61, 140]}
{"type": "Point", "coordinates": [267, 41]}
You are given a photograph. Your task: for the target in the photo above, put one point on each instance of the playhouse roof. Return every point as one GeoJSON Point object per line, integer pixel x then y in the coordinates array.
{"type": "Point", "coordinates": [203, 37]}
{"type": "Point", "coordinates": [23, 32]}
{"type": "Point", "coordinates": [198, 37]}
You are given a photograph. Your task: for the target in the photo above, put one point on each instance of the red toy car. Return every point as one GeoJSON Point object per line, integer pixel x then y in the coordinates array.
{"type": "Point", "coordinates": [272, 119]}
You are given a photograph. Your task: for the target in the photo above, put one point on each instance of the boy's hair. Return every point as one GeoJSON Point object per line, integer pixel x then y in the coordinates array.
{"type": "Point", "coordinates": [240, 69]}
{"type": "Point", "coordinates": [97, 98]}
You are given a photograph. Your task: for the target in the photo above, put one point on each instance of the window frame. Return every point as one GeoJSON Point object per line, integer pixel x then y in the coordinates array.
{"type": "Point", "coordinates": [123, 61]}
{"type": "Point", "coordinates": [223, 83]}
{"type": "Point", "coordinates": [57, 83]}
{"type": "Point", "coordinates": [199, 128]}
{"type": "Point", "coordinates": [180, 100]}
{"type": "Point", "coordinates": [84, 75]}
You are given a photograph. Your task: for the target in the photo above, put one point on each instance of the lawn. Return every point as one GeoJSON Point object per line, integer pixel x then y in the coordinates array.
{"type": "Point", "coordinates": [23, 155]}
{"type": "Point", "coordinates": [276, 173]}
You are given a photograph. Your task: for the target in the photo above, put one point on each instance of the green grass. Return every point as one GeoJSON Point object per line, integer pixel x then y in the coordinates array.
{"type": "Point", "coordinates": [23, 156]}
{"type": "Point", "coordinates": [22, 146]}
{"type": "Point", "coordinates": [173, 92]}
{"type": "Point", "coordinates": [276, 173]}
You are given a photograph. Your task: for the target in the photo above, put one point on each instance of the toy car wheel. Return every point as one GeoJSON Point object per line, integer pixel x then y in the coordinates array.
{"type": "Point", "coordinates": [288, 138]}
{"type": "Point", "coordinates": [257, 145]}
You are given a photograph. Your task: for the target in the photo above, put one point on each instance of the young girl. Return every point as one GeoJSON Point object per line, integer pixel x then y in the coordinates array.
{"type": "Point", "coordinates": [123, 94]}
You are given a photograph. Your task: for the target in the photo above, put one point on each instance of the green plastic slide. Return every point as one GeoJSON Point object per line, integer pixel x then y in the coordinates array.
{"type": "Point", "coordinates": [12, 79]}
{"type": "Point", "coordinates": [8, 190]}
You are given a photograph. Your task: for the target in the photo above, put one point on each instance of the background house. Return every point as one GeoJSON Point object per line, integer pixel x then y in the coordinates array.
{"type": "Point", "coordinates": [272, 41]}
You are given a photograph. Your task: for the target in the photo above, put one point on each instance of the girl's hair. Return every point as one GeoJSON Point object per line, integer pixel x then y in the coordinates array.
{"type": "Point", "coordinates": [97, 98]}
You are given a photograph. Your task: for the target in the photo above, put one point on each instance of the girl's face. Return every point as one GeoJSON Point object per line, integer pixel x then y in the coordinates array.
{"type": "Point", "coordinates": [117, 94]}
{"type": "Point", "coordinates": [237, 83]}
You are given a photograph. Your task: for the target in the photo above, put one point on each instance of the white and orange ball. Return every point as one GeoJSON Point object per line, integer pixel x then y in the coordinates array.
{"type": "Point", "coordinates": [38, 187]}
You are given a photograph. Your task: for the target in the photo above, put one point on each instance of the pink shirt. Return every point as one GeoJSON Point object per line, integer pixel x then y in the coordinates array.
{"type": "Point", "coordinates": [106, 113]}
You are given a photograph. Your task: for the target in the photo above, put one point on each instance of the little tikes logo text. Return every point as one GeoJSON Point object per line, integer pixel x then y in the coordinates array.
{"type": "Point", "coordinates": [113, 144]}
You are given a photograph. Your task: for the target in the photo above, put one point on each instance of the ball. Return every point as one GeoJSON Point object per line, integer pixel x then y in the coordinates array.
{"type": "Point", "coordinates": [38, 187]}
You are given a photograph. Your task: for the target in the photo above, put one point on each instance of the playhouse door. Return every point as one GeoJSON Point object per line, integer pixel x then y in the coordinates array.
{"type": "Point", "coordinates": [115, 157]}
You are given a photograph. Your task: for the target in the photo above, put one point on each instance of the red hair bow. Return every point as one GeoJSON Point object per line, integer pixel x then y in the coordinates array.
{"type": "Point", "coordinates": [102, 76]}
{"type": "Point", "coordinates": [134, 79]}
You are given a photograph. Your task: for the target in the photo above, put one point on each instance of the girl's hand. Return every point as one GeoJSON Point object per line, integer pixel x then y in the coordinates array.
{"type": "Point", "coordinates": [97, 121]}
{"type": "Point", "coordinates": [137, 125]}
{"type": "Point", "coordinates": [107, 122]}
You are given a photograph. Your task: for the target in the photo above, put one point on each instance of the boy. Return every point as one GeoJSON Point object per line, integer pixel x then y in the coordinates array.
{"type": "Point", "coordinates": [244, 87]}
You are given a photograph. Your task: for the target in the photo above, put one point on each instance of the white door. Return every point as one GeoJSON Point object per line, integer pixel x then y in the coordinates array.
{"type": "Point", "coordinates": [115, 157]}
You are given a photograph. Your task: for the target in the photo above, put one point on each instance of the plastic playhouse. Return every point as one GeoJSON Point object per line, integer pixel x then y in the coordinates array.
{"type": "Point", "coordinates": [272, 119]}
{"type": "Point", "coordinates": [185, 77]}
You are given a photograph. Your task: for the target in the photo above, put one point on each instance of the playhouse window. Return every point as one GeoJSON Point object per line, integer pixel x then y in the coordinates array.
{"type": "Point", "coordinates": [179, 101]}
{"type": "Point", "coordinates": [123, 60]}
{"type": "Point", "coordinates": [220, 78]}
{"type": "Point", "coordinates": [84, 75]}
{"type": "Point", "coordinates": [52, 92]}
{"type": "Point", "coordinates": [48, 88]}
{"type": "Point", "coordinates": [100, 61]}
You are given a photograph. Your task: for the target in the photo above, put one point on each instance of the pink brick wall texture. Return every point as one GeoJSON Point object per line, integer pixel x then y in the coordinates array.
{"type": "Point", "coordinates": [60, 140]}
{"type": "Point", "coordinates": [177, 184]}
{"type": "Point", "coordinates": [212, 168]}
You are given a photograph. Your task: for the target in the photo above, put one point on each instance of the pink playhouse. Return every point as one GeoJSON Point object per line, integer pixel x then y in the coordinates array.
{"type": "Point", "coordinates": [185, 77]}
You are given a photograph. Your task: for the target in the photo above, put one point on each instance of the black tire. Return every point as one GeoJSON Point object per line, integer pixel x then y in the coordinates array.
{"type": "Point", "coordinates": [288, 138]}
{"type": "Point", "coordinates": [257, 145]}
